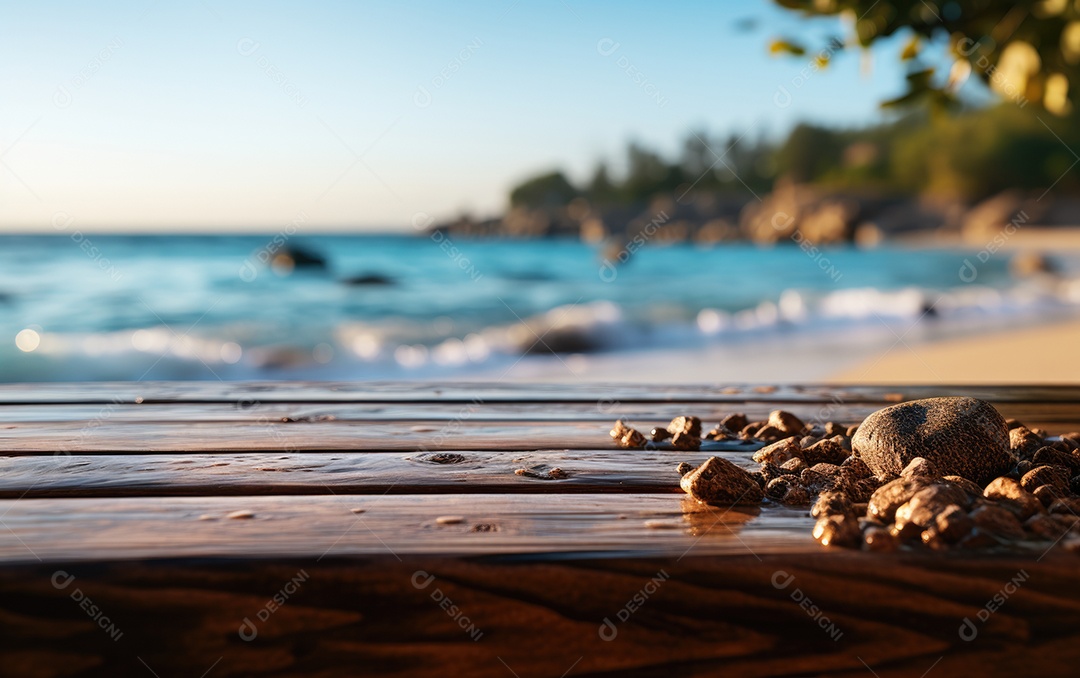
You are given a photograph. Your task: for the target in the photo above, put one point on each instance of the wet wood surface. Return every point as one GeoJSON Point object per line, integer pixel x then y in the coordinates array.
{"type": "Point", "coordinates": [180, 510]}
{"type": "Point", "coordinates": [275, 473]}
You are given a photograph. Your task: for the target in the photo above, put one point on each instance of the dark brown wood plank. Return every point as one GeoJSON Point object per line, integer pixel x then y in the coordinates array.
{"type": "Point", "coordinates": [288, 412]}
{"type": "Point", "coordinates": [525, 617]}
{"type": "Point", "coordinates": [181, 527]}
{"type": "Point", "coordinates": [276, 436]}
{"type": "Point", "coordinates": [1057, 415]}
{"type": "Point", "coordinates": [464, 392]}
{"type": "Point", "coordinates": [230, 474]}
{"type": "Point", "coordinates": [436, 433]}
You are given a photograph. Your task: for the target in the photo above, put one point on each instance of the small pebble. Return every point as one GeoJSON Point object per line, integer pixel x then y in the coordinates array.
{"type": "Point", "coordinates": [449, 520]}
{"type": "Point", "coordinates": [769, 432]}
{"type": "Point", "coordinates": [1063, 445]}
{"type": "Point", "coordinates": [747, 432]}
{"type": "Point", "coordinates": [997, 521]}
{"type": "Point", "coordinates": [659, 435]}
{"type": "Point", "coordinates": [926, 504]}
{"type": "Point", "coordinates": [906, 532]}
{"type": "Point", "coordinates": [797, 495]}
{"type": "Point", "coordinates": [779, 452]}
{"type": "Point", "coordinates": [240, 515]}
{"type": "Point", "coordinates": [934, 499]}
{"type": "Point", "coordinates": [821, 477]}
{"type": "Point", "coordinates": [1012, 496]}
{"type": "Point", "coordinates": [627, 437]}
{"type": "Point", "coordinates": [689, 426]}
{"type": "Point", "coordinates": [953, 524]}
{"type": "Point", "coordinates": [838, 531]}
{"type": "Point", "coordinates": [825, 452]}
{"type": "Point", "coordinates": [932, 539]}
{"type": "Point", "coordinates": [1046, 494]}
{"type": "Point", "coordinates": [1048, 455]}
{"type": "Point", "coordinates": [832, 504]}
{"type": "Point", "coordinates": [686, 442]}
{"type": "Point", "coordinates": [718, 434]}
{"type": "Point", "coordinates": [844, 442]}
{"type": "Point", "coordinates": [720, 482]}
{"type": "Point", "coordinates": [357, 510]}
{"type": "Point", "coordinates": [1049, 474]}
{"type": "Point", "coordinates": [972, 489]}
{"type": "Point", "coordinates": [858, 467]}
{"type": "Point", "coordinates": [777, 488]}
{"type": "Point", "coordinates": [880, 539]}
{"type": "Point", "coordinates": [1023, 442]}
{"type": "Point", "coordinates": [796, 465]}
{"type": "Point", "coordinates": [919, 467]}
{"type": "Point", "coordinates": [770, 471]}
{"type": "Point", "coordinates": [891, 496]}
{"type": "Point", "coordinates": [735, 422]}
{"type": "Point", "coordinates": [786, 422]}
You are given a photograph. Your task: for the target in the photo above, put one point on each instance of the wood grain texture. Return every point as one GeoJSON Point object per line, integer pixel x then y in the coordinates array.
{"type": "Point", "coordinates": [60, 530]}
{"type": "Point", "coordinates": [117, 432]}
{"type": "Point", "coordinates": [643, 414]}
{"type": "Point", "coordinates": [505, 617]}
{"type": "Point", "coordinates": [275, 436]}
{"type": "Point", "coordinates": [300, 413]}
{"type": "Point", "coordinates": [336, 484]}
{"type": "Point", "coordinates": [467, 471]}
{"type": "Point", "coordinates": [464, 392]}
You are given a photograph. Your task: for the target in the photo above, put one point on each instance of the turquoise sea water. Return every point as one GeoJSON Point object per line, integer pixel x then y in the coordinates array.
{"type": "Point", "coordinates": [97, 307]}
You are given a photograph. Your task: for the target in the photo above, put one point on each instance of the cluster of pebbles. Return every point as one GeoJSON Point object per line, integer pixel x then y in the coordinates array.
{"type": "Point", "coordinates": [938, 473]}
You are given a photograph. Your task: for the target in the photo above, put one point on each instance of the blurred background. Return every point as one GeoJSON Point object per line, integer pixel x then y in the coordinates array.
{"type": "Point", "coordinates": [554, 191]}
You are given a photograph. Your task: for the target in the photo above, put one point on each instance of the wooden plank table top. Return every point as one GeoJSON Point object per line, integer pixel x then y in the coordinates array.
{"type": "Point", "coordinates": [228, 529]}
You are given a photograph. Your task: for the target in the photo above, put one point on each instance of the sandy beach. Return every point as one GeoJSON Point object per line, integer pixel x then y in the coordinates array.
{"type": "Point", "coordinates": [1041, 355]}
{"type": "Point", "coordinates": [1038, 355]}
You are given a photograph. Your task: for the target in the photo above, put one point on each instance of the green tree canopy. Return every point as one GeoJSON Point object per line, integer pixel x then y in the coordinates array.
{"type": "Point", "coordinates": [1026, 51]}
{"type": "Point", "coordinates": [547, 190]}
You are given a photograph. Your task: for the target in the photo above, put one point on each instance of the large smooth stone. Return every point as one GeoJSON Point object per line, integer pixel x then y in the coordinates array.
{"type": "Point", "coordinates": [959, 436]}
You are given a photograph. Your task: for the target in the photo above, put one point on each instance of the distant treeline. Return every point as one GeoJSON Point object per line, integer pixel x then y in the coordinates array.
{"type": "Point", "coordinates": [969, 155]}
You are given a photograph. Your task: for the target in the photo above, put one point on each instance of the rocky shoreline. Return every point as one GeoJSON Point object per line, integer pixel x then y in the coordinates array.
{"type": "Point", "coordinates": [937, 474]}
{"type": "Point", "coordinates": [791, 212]}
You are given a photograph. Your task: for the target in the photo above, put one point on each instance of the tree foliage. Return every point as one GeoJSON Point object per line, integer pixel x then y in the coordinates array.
{"type": "Point", "coordinates": [1026, 51]}
{"type": "Point", "coordinates": [967, 154]}
{"type": "Point", "coordinates": [552, 189]}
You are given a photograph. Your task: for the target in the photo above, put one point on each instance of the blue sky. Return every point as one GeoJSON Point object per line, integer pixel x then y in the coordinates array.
{"type": "Point", "coordinates": [251, 115]}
